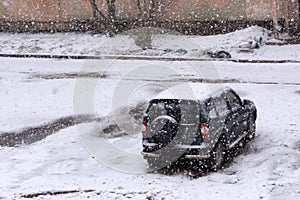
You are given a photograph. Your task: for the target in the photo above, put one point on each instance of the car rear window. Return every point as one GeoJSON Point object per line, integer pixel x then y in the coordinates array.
{"type": "Point", "coordinates": [183, 111]}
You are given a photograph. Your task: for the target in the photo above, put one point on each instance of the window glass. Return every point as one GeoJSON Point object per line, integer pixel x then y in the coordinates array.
{"type": "Point", "coordinates": [184, 112]}
{"type": "Point", "coordinates": [210, 109]}
{"type": "Point", "coordinates": [189, 112]}
{"type": "Point", "coordinates": [221, 106]}
{"type": "Point", "coordinates": [233, 101]}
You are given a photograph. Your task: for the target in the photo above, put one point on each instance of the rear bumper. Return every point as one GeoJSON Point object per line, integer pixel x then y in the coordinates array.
{"type": "Point", "coordinates": [189, 152]}
{"type": "Point", "coordinates": [192, 157]}
{"type": "Point", "coordinates": [197, 157]}
{"type": "Point", "coordinates": [150, 155]}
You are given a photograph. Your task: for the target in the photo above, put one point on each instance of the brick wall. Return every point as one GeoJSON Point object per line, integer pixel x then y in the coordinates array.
{"type": "Point", "coordinates": [171, 10]}
{"type": "Point", "coordinates": [45, 10]}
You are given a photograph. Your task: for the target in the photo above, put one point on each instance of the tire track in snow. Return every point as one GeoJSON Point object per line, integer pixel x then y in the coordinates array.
{"type": "Point", "coordinates": [184, 80]}
{"type": "Point", "coordinates": [55, 193]}
{"type": "Point", "coordinates": [33, 134]}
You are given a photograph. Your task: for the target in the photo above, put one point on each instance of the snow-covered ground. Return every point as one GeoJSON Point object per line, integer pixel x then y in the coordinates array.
{"type": "Point", "coordinates": [164, 44]}
{"type": "Point", "coordinates": [37, 91]}
{"type": "Point", "coordinates": [85, 116]}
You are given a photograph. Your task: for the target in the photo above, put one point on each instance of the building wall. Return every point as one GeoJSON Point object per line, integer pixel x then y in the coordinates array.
{"type": "Point", "coordinates": [170, 10]}
{"type": "Point", "coordinates": [257, 9]}
{"type": "Point", "coordinates": [45, 10]}
{"type": "Point", "coordinates": [206, 10]}
{"type": "Point", "coordinates": [74, 9]}
{"type": "Point", "coordinates": [27, 9]}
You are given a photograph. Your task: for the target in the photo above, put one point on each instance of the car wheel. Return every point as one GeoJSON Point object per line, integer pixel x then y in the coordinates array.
{"type": "Point", "coordinates": [217, 157]}
{"type": "Point", "coordinates": [223, 54]}
{"type": "Point", "coordinates": [164, 129]}
{"type": "Point", "coordinates": [251, 129]}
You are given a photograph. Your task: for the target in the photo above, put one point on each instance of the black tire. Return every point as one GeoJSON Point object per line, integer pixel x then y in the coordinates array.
{"type": "Point", "coordinates": [251, 129]}
{"type": "Point", "coordinates": [217, 157]}
{"type": "Point", "coordinates": [164, 129]}
{"type": "Point", "coordinates": [197, 167]}
{"type": "Point", "coordinates": [223, 54]}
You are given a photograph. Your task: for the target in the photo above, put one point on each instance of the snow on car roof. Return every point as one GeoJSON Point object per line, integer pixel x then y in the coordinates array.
{"type": "Point", "coordinates": [191, 91]}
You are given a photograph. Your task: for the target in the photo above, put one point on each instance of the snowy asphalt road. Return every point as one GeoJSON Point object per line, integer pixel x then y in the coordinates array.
{"type": "Point", "coordinates": [269, 169]}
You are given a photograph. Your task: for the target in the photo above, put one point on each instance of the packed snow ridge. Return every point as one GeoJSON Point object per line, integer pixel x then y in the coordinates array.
{"type": "Point", "coordinates": [156, 42]}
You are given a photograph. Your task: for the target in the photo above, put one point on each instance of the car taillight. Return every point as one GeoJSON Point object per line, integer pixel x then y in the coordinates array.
{"type": "Point", "coordinates": [144, 130]}
{"type": "Point", "coordinates": [204, 130]}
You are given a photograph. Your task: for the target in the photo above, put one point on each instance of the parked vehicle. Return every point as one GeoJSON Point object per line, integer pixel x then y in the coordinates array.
{"type": "Point", "coordinates": [200, 131]}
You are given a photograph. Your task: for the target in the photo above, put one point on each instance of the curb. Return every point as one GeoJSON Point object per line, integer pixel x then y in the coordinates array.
{"type": "Point", "coordinates": [128, 57]}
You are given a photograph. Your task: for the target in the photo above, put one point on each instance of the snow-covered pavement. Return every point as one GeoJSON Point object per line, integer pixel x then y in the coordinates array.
{"type": "Point", "coordinates": [37, 91]}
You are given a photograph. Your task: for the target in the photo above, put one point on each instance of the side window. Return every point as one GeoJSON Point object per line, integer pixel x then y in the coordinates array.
{"type": "Point", "coordinates": [233, 101]}
{"type": "Point", "coordinates": [210, 109]}
{"type": "Point", "coordinates": [221, 106]}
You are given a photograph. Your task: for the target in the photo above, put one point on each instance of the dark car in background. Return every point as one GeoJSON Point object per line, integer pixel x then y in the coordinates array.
{"type": "Point", "coordinates": [200, 131]}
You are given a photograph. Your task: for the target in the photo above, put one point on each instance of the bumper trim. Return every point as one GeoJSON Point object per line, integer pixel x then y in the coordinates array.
{"type": "Point", "coordinates": [197, 156]}
{"type": "Point", "coordinates": [152, 155]}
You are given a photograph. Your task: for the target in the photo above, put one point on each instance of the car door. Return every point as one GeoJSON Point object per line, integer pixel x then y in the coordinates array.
{"type": "Point", "coordinates": [211, 116]}
{"type": "Point", "coordinates": [222, 111]}
{"type": "Point", "coordinates": [237, 124]}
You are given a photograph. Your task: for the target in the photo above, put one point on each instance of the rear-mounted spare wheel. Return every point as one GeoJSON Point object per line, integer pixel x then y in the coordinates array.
{"type": "Point", "coordinates": [163, 129]}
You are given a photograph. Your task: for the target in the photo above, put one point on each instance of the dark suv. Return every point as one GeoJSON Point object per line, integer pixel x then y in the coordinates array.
{"type": "Point", "coordinates": [199, 131]}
